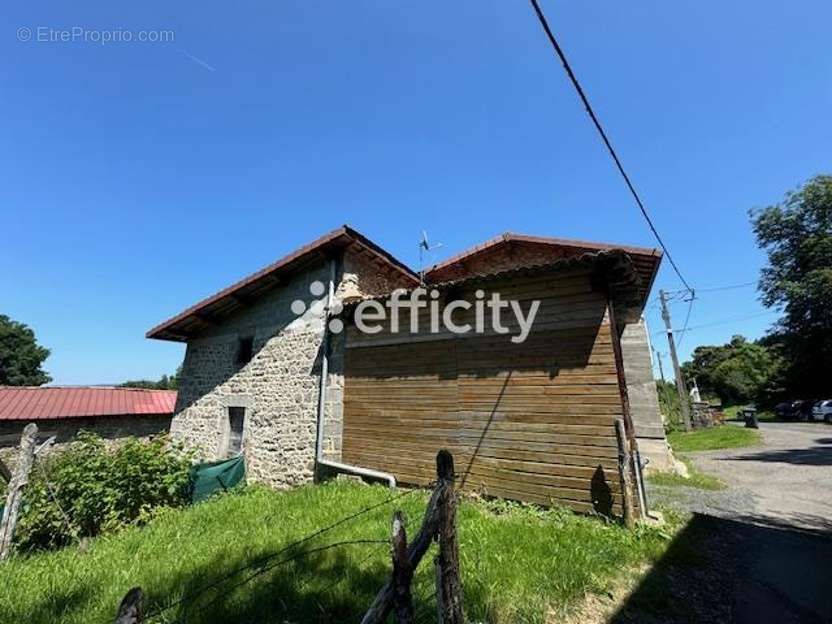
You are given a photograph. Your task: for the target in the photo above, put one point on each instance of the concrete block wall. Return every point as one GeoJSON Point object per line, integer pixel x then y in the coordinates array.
{"type": "Point", "coordinates": [644, 398]}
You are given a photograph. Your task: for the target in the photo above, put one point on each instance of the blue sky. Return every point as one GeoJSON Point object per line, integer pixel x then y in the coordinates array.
{"type": "Point", "coordinates": [136, 178]}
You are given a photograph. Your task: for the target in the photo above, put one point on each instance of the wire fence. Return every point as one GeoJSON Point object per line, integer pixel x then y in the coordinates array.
{"type": "Point", "coordinates": [438, 524]}
{"type": "Point", "coordinates": [266, 564]}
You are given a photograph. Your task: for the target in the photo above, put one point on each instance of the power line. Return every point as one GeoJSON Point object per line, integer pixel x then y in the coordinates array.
{"type": "Point", "coordinates": [603, 134]}
{"type": "Point", "coordinates": [725, 321]}
{"type": "Point", "coordinates": [732, 287]}
{"type": "Point", "coordinates": [733, 320]}
{"type": "Point", "coordinates": [677, 293]}
{"type": "Point", "coordinates": [687, 319]}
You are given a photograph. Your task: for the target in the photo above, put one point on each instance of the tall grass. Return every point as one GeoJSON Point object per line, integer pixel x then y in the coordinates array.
{"type": "Point", "coordinates": [517, 562]}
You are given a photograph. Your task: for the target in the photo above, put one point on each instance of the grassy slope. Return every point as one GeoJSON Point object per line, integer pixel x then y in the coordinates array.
{"type": "Point", "coordinates": [516, 562]}
{"type": "Point", "coordinates": [696, 479]}
{"type": "Point", "coordinates": [712, 438]}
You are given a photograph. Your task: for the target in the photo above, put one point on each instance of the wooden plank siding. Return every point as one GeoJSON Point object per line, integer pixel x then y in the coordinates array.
{"type": "Point", "coordinates": [531, 422]}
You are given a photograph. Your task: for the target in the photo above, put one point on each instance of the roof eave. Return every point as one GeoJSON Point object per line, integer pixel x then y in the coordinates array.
{"type": "Point", "coordinates": [341, 237]}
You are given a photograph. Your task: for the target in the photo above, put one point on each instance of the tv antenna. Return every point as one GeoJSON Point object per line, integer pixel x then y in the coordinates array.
{"type": "Point", "coordinates": [425, 246]}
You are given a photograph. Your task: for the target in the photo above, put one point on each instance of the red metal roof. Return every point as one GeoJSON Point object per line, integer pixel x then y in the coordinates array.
{"type": "Point", "coordinates": [55, 402]}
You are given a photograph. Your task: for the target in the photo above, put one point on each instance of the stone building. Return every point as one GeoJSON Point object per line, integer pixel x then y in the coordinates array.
{"type": "Point", "coordinates": [252, 366]}
{"type": "Point", "coordinates": [112, 413]}
{"type": "Point", "coordinates": [253, 375]}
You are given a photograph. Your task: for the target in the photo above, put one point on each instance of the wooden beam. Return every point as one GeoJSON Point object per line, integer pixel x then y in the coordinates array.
{"type": "Point", "coordinates": [402, 572]}
{"type": "Point", "coordinates": [130, 609]}
{"type": "Point", "coordinates": [205, 318]}
{"type": "Point", "coordinates": [624, 464]}
{"type": "Point", "coordinates": [20, 478]}
{"type": "Point", "coordinates": [449, 590]}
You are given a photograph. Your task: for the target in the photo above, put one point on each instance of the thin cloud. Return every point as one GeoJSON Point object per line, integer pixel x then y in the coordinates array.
{"type": "Point", "coordinates": [197, 60]}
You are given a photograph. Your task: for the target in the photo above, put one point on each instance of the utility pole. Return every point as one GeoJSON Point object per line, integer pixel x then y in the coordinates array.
{"type": "Point", "coordinates": [684, 406]}
{"type": "Point", "coordinates": [659, 360]}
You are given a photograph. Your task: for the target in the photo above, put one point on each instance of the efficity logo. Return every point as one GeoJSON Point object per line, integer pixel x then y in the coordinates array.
{"type": "Point", "coordinates": [491, 314]}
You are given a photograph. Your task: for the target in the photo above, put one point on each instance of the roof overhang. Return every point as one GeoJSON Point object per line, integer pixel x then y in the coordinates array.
{"type": "Point", "coordinates": [645, 260]}
{"type": "Point", "coordinates": [211, 310]}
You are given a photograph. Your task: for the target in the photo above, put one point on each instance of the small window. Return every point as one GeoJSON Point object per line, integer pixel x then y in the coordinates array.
{"type": "Point", "coordinates": [245, 349]}
{"type": "Point", "coordinates": [236, 422]}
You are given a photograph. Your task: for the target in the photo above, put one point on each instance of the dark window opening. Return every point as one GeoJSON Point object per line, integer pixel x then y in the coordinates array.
{"type": "Point", "coordinates": [245, 350]}
{"type": "Point", "coordinates": [236, 422]}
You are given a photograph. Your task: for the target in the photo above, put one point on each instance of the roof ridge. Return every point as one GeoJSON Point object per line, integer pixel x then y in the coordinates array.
{"type": "Point", "coordinates": [84, 387]}
{"type": "Point", "coordinates": [331, 237]}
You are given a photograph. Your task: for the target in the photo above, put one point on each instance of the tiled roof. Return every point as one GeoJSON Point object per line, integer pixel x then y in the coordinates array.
{"type": "Point", "coordinates": [179, 327]}
{"type": "Point", "coordinates": [44, 402]}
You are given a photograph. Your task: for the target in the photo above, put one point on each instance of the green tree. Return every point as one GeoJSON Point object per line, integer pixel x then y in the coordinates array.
{"type": "Point", "coordinates": [21, 357]}
{"type": "Point", "coordinates": [797, 237]}
{"type": "Point", "coordinates": [669, 405]}
{"type": "Point", "coordinates": [165, 382]}
{"type": "Point", "coordinates": [737, 372]}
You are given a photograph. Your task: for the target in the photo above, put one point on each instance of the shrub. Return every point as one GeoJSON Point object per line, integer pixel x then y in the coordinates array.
{"type": "Point", "coordinates": [92, 488]}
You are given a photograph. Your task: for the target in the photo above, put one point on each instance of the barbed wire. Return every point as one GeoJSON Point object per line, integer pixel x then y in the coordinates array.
{"type": "Point", "coordinates": [198, 592]}
{"type": "Point", "coordinates": [281, 562]}
{"type": "Point", "coordinates": [46, 479]}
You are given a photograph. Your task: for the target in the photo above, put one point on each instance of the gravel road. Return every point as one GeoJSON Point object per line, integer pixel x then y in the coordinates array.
{"type": "Point", "coordinates": [787, 480]}
{"type": "Point", "coordinates": [767, 538]}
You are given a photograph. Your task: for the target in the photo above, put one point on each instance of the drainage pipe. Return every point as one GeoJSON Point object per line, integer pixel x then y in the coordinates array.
{"type": "Point", "coordinates": [319, 437]}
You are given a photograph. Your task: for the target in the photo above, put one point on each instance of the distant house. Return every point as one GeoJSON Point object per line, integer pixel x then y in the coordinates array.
{"type": "Point", "coordinates": [532, 421]}
{"type": "Point", "coordinates": [112, 413]}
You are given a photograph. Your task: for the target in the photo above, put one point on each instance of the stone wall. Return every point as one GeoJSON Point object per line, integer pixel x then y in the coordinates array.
{"type": "Point", "coordinates": [278, 388]}
{"type": "Point", "coordinates": [362, 278]}
{"type": "Point", "coordinates": [112, 428]}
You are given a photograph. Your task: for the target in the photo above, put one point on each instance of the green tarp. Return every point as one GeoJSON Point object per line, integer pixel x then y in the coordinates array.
{"type": "Point", "coordinates": [217, 476]}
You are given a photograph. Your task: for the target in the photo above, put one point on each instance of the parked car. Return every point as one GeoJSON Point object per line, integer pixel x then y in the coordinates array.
{"type": "Point", "coordinates": [785, 410]}
{"type": "Point", "coordinates": [794, 410]}
{"type": "Point", "coordinates": [822, 410]}
{"type": "Point", "coordinates": [805, 410]}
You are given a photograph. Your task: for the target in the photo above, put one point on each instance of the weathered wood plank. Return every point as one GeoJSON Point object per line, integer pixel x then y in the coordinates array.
{"type": "Point", "coordinates": [532, 421]}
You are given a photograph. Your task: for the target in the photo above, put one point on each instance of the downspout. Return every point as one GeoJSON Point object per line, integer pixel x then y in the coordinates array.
{"type": "Point", "coordinates": [319, 437]}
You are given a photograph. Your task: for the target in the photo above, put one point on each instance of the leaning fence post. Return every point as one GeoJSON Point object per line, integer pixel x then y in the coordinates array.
{"type": "Point", "coordinates": [402, 572]}
{"type": "Point", "coordinates": [624, 463]}
{"type": "Point", "coordinates": [130, 609]}
{"type": "Point", "coordinates": [20, 477]}
{"type": "Point", "coordinates": [449, 591]}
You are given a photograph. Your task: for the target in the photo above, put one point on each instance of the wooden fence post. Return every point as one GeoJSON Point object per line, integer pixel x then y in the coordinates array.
{"type": "Point", "coordinates": [624, 463]}
{"type": "Point", "coordinates": [5, 473]}
{"type": "Point", "coordinates": [402, 572]}
{"type": "Point", "coordinates": [449, 591]}
{"type": "Point", "coordinates": [20, 477]}
{"type": "Point", "coordinates": [416, 549]}
{"type": "Point", "coordinates": [130, 609]}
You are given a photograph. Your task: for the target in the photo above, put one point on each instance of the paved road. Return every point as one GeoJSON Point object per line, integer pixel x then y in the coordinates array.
{"type": "Point", "coordinates": [786, 481]}
{"type": "Point", "coordinates": [767, 539]}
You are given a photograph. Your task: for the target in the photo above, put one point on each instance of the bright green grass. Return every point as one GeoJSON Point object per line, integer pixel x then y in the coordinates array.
{"type": "Point", "coordinates": [712, 438]}
{"type": "Point", "coordinates": [698, 480]}
{"type": "Point", "coordinates": [517, 562]}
